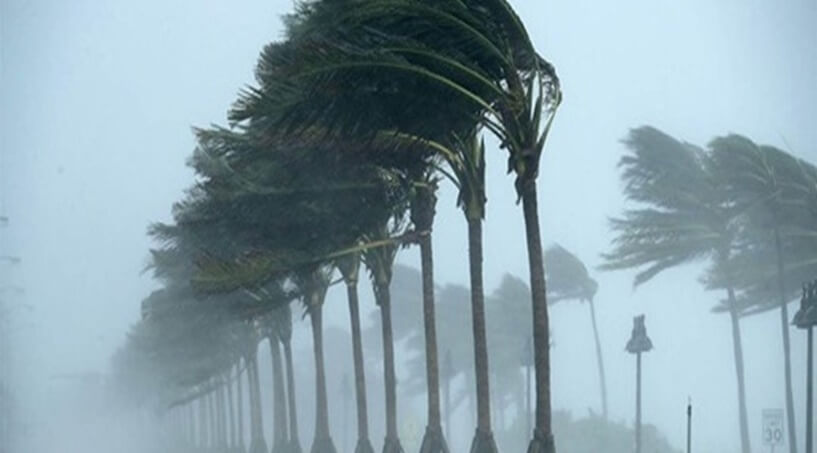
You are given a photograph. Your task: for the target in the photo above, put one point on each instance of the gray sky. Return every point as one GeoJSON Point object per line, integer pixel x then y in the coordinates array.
{"type": "Point", "coordinates": [97, 99]}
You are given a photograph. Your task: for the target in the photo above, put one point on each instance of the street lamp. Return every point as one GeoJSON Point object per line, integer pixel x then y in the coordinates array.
{"type": "Point", "coordinates": [639, 342]}
{"type": "Point", "coordinates": [806, 318]}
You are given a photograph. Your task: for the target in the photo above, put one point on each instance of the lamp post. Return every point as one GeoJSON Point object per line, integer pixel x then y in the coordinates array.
{"type": "Point", "coordinates": [639, 342]}
{"type": "Point", "coordinates": [806, 318]}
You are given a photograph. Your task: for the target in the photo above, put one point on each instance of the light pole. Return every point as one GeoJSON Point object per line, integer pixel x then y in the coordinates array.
{"type": "Point", "coordinates": [639, 342]}
{"type": "Point", "coordinates": [806, 318]}
{"type": "Point", "coordinates": [689, 425]}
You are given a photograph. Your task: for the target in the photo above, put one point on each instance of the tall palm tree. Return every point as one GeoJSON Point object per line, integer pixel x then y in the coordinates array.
{"type": "Point", "coordinates": [314, 282]}
{"type": "Point", "coordinates": [684, 215]}
{"type": "Point", "coordinates": [422, 212]}
{"type": "Point", "coordinates": [284, 330]}
{"type": "Point", "coordinates": [772, 187]}
{"type": "Point", "coordinates": [568, 279]}
{"type": "Point", "coordinates": [380, 261]}
{"type": "Point", "coordinates": [280, 438]}
{"type": "Point", "coordinates": [470, 177]}
{"type": "Point", "coordinates": [349, 267]}
{"type": "Point", "coordinates": [477, 54]}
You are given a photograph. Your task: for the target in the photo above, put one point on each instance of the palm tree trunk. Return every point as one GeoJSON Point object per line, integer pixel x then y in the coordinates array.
{"type": "Point", "coordinates": [433, 440]}
{"type": "Point", "coordinates": [240, 408]}
{"type": "Point", "coordinates": [737, 344]}
{"type": "Point", "coordinates": [231, 411]}
{"type": "Point", "coordinates": [322, 442]}
{"type": "Point", "coordinates": [191, 424]}
{"type": "Point", "coordinates": [279, 436]}
{"type": "Point", "coordinates": [364, 445]}
{"type": "Point", "coordinates": [542, 441]}
{"type": "Point", "coordinates": [483, 438]}
{"type": "Point", "coordinates": [784, 326]}
{"type": "Point", "coordinates": [257, 442]}
{"type": "Point", "coordinates": [211, 412]}
{"type": "Point", "coordinates": [599, 359]}
{"type": "Point", "coordinates": [391, 444]}
{"type": "Point", "coordinates": [222, 416]}
{"type": "Point", "coordinates": [202, 422]}
{"type": "Point", "coordinates": [294, 442]}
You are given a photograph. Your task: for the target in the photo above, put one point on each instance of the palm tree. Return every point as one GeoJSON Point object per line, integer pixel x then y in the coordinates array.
{"type": "Point", "coordinates": [476, 54]}
{"type": "Point", "coordinates": [569, 279]}
{"type": "Point", "coordinates": [280, 439]}
{"type": "Point", "coordinates": [314, 282]}
{"type": "Point", "coordinates": [422, 216]}
{"type": "Point", "coordinates": [470, 177]}
{"type": "Point", "coordinates": [773, 188]}
{"type": "Point", "coordinates": [380, 261]}
{"type": "Point", "coordinates": [686, 216]}
{"type": "Point", "coordinates": [349, 267]}
{"type": "Point", "coordinates": [284, 330]}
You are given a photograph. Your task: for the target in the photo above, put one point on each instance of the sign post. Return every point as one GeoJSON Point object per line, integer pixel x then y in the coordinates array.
{"type": "Point", "coordinates": [773, 429]}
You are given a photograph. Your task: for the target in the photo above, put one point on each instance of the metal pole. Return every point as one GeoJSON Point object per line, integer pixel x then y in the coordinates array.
{"type": "Point", "coordinates": [810, 393]}
{"type": "Point", "coordinates": [689, 426]}
{"type": "Point", "coordinates": [638, 404]}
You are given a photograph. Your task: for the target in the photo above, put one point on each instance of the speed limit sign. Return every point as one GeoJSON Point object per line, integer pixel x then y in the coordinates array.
{"type": "Point", "coordinates": [773, 428]}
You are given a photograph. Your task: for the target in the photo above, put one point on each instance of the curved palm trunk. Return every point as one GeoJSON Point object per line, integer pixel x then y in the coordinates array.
{"type": "Point", "coordinates": [323, 441]}
{"type": "Point", "coordinates": [737, 344]}
{"type": "Point", "coordinates": [542, 441]}
{"type": "Point", "coordinates": [483, 438]}
{"type": "Point", "coordinates": [240, 409]}
{"type": "Point", "coordinates": [364, 445]}
{"type": "Point", "coordinates": [279, 433]}
{"type": "Point", "coordinates": [784, 326]}
{"type": "Point", "coordinates": [257, 442]}
{"type": "Point", "coordinates": [599, 359]}
{"type": "Point", "coordinates": [294, 442]}
{"type": "Point", "coordinates": [391, 444]}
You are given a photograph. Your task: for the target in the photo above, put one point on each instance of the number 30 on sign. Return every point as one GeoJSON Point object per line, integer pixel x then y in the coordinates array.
{"type": "Point", "coordinates": [773, 427]}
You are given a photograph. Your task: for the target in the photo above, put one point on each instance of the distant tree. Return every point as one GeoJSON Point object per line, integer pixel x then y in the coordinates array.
{"type": "Point", "coordinates": [683, 215]}
{"type": "Point", "coordinates": [568, 279]}
{"type": "Point", "coordinates": [775, 191]}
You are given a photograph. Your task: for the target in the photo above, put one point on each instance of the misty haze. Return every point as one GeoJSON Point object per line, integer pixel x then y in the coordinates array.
{"type": "Point", "coordinates": [407, 226]}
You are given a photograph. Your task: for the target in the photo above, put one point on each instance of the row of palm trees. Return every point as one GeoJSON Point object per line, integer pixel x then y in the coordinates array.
{"type": "Point", "coordinates": [749, 211]}
{"type": "Point", "coordinates": [332, 160]}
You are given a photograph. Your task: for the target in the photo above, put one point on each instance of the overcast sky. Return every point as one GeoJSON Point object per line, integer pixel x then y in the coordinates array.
{"type": "Point", "coordinates": [97, 99]}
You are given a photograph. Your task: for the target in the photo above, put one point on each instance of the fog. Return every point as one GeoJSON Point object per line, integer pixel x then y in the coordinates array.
{"type": "Point", "coordinates": [97, 102]}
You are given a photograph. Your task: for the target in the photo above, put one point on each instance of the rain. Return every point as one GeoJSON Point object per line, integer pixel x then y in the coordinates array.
{"type": "Point", "coordinates": [426, 226]}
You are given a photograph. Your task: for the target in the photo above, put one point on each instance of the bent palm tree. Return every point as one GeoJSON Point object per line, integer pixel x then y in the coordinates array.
{"type": "Point", "coordinates": [349, 267]}
{"type": "Point", "coordinates": [568, 279]}
{"type": "Point", "coordinates": [686, 217]}
{"type": "Point", "coordinates": [468, 62]}
{"type": "Point", "coordinates": [772, 187]}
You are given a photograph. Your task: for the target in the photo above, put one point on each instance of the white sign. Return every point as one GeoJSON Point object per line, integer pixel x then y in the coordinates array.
{"type": "Point", "coordinates": [773, 429]}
